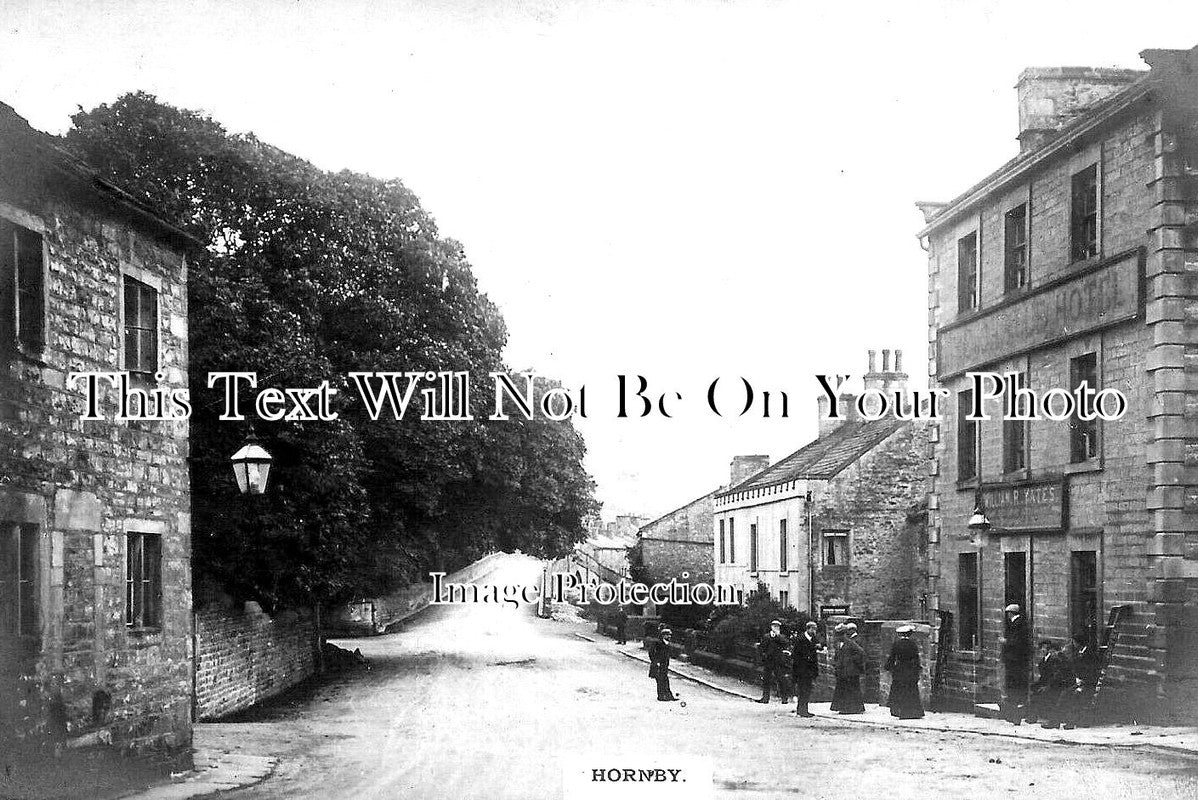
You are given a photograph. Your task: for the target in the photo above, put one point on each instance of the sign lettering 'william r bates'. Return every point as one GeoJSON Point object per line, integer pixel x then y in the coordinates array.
{"type": "Point", "coordinates": [1027, 506]}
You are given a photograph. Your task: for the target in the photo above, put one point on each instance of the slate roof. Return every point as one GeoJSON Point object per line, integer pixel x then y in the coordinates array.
{"type": "Point", "coordinates": [823, 458]}
{"type": "Point", "coordinates": [13, 124]}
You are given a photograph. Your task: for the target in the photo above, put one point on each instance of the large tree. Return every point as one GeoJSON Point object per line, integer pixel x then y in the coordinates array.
{"type": "Point", "coordinates": [310, 275]}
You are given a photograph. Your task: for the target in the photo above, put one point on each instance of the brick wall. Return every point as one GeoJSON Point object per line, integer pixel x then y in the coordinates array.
{"type": "Point", "coordinates": [245, 656]}
{"type": "Point", "coordinates": [86, 485]}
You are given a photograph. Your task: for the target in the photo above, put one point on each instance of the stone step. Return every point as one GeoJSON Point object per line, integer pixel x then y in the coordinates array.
{"type": "Point", "coordinates": [987, 710]}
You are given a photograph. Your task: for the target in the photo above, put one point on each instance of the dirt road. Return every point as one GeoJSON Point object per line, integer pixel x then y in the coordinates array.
{"type": "Point", "coordinates": [483, 701]}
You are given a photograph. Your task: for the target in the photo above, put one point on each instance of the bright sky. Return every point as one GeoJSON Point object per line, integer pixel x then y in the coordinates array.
{"type": "Point", "coordinates": [678, 189]}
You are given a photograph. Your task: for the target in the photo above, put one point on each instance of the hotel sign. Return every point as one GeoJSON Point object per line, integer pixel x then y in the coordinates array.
{"type": "Point", "coordinates": [1026, 507]}
{"type": "Point", "coordinates": [1104, 295]}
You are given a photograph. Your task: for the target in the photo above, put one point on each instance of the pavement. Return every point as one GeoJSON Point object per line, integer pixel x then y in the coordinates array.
{"type": "Point", "coordinates": [217, 769]}
{"type": "Point", "coordinates": [488, 701]}
{"type": "Point", "coordinates": [1182, 740]}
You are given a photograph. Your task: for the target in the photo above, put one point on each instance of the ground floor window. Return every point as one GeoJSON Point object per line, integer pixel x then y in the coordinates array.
{"type": "Point", "coordinates": [143, 580]}
{"type": "Point", "coordinates": [968, 598]}
{"type": "Point", "coordinates": [836, 548]}
{"type": "Point", "coordinates": [784, 597]}
{"type": "Point", "coordinates": [18, 581]}
{"type": "Point", "coordinates": [1083, 594]}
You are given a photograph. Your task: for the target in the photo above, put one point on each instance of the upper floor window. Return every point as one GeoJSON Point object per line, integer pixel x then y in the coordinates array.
{"type": "Point", "coordinates": [1015, 253]}
{"type": "Point", "coordinates": [723, 551]}
{"type": "Point", "coordinates": [967, 437]}
{"type": "Point", "coordinates": [141, 328]}
{"type": "Point", "coordinates": [22, 288]}
{"type": "Point", "coordinates": [967, 273]}
{"type": "Point", "coordinates": [1083, 227]}
{"type": "Point", "coordinates": [143, 580]}
{"type": "Point", "coordinates": [731, 540]}
{"type": "Point", "coordinates": [1014, 435]}
{"type": "Point", "coordinates": [1083, 433]}
{"type": "Point", "coordinates": [782, 561]}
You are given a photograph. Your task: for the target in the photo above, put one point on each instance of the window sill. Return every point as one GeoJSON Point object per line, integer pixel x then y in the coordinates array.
{"type": "Point", "coordinates": [968, 655]}
{"type": "Point", "coordinates": [144, 637]}
{"type": "Point", "coordinates": [1089, 465]}
{"type": "Point", "coordinates": [968, 483]}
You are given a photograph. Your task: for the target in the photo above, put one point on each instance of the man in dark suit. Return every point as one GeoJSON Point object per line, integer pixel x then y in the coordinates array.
{"type": "Point", "coordinates": [1015, 653]}
{"type": "Point", "coordinates": [850, 666]}
{"type": "Point", "coordinates": [774, 648]}
{"type": "Point", "coordinates": [805, 666]}
{"type": "Point", "coordinates": [659, 665]}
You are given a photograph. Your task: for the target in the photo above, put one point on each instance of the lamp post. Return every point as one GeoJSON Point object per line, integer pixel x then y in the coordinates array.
{"type": "Point", "coordinates": [251, 466]}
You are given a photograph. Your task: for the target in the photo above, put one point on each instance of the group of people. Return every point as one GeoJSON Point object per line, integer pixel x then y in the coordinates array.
{"type": "Point", "coordinates": [1066, 679]}
{"type": "Point", "coordinates": [848, 664]}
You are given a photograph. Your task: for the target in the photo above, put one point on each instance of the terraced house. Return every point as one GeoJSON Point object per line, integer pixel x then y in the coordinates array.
{"type": "Point", "coordinates": [1074, 263]}
{"type": "Point", "coordinates": [95, 576]}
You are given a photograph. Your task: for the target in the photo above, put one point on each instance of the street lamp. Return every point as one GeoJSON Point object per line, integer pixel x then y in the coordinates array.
{"type": "Point", "coordinates": [251, 466]}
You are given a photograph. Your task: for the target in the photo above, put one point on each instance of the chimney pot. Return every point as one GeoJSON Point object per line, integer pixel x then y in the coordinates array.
{"type": "Point", "coordinates": [886, 361]}
{"type": "Point", "coordinates": [898, 360]}
{"type": "Point", "coordinates": [873, 356]}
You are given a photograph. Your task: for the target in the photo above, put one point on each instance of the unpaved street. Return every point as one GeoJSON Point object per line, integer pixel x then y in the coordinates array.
{"type": "Point", "coordinates": [484, 702]}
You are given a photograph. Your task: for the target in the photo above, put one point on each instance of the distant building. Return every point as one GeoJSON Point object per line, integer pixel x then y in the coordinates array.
{"type": "Point", "coordinates": [677, 545]}
{"type": "Point", "coordinates": [834, 526]}
{"type": "Point", "coordinates": [95, 531]}
{"type": "Point", "coordinates": [1075, 263]}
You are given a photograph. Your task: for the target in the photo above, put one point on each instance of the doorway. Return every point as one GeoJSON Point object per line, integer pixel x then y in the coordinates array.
{"type": "Point", "coordinates": [1015, 580]}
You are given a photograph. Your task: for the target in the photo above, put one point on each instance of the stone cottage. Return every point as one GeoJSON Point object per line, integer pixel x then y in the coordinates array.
{"type": "Point", "coordinates": [835, 527]}
{"type": "Point", "coordinates": [95, 575]}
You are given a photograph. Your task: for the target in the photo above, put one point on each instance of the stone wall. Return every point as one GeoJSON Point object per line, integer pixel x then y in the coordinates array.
{"type": "Point", "coordinates": [86, 675]}
{"type": "Point", "coordinates": [679, 542]}
{"type": "Point", "coordinates": [872, 499]}
{"type": "Point", "coordinates": [244, 656]}
{"type": "Point", "coordinates": [1134, 505]}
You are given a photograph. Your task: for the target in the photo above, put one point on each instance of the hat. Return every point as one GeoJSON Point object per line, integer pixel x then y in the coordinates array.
{"type": "Point", "coordinates": [905, 629]}
{"type": "Point", "coordinates": [850, 627]}
{"type": "Point", "coordinates": [840, 627]}
{"type": "Point", "coordinates": [665, 632]}
{"type": "Point", "coordinates": [776, 622]}
{"type": "Point", "coordinates": [1014, 607]}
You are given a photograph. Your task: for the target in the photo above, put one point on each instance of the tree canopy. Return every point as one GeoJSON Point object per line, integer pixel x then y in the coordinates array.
{"type": "Point", "coordinates": [310, 275]}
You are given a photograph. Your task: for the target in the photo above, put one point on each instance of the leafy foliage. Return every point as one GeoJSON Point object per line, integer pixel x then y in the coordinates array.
{"type": "Point", "coordinates": [311, 275]}
{"type": "Point", "coordinates": [733, 629]}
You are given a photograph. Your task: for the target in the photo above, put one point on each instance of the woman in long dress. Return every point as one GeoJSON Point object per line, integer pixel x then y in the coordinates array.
{"type": "Point", "coordinates": [904, 667]}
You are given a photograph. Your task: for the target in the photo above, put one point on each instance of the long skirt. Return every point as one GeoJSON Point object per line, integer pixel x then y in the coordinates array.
{"type": "Point", "coordinates": [851, 701]}
{"type": "Point", "coordinates": [904, 698]}
{"type": "Point", "coordinates": [837, 695]}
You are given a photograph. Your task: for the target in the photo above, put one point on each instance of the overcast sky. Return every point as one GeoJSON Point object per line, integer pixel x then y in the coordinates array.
{"type": "Point", "coordinates": [676, 189]}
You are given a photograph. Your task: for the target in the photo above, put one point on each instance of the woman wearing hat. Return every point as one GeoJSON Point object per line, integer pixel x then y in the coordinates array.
{"type": "Point", "coordinates": [904, 667]}
{"type": "Point", "coordinates": [850, 666]}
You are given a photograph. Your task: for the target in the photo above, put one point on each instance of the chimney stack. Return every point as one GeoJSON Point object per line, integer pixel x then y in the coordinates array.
{"type": "Point", "coordinates": [744, 467]}
{"type": "Point", "coordinates": [1049, 97]}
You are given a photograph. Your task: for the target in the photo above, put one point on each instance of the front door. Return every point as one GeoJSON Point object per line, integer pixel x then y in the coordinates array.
{"type": "Point", "coordinates": [1015, 580]}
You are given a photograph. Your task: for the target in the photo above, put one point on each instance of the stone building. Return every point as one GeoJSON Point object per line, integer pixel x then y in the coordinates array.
{"type": "Point", "coordinates": [95, 575]}
{"type": "Point", "coordinates": [1075, 262]}
{"type": "Point", "coordinates": [834, 527]}
{"type": "Point", "coordinates": [677, 545]}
